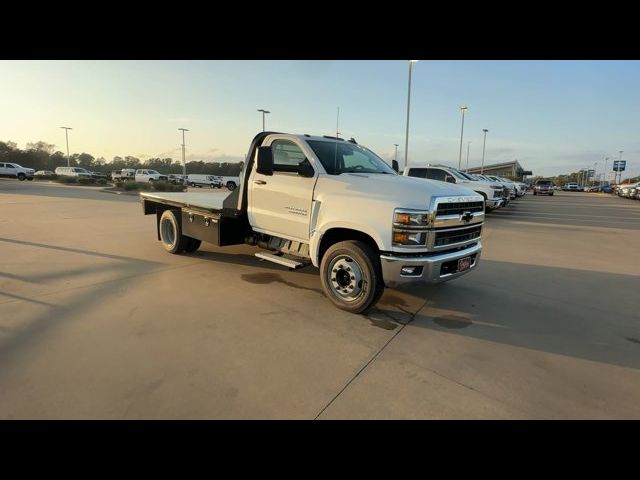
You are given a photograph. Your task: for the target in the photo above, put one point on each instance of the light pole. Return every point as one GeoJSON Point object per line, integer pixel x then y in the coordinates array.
{"type": "Point", "coordinates": [66, 133]}
{"type": "Point", "coordinates": [484, 143]}
{"type": "Point", "coordinates": [184, 165]}
{"type": "Point", "coordinates": [396, 154]}
{"type": "Point", "coordinates": [406, 137]}
{"type": "Point", "coordinates": [264, 112]}
{"type": "Point", "coordinates": [463, 109]}
{"type": "Point", "coordinates": [468, 145]}
{"type": "Point", "coordinates": [604, 172]}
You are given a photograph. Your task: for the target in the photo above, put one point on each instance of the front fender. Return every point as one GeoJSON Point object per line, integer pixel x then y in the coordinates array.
{"type": "Point", "coordinates": [320, 231]}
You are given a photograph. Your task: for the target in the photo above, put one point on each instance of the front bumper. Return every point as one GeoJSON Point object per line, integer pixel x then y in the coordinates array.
{"type": "Point", "coordinates": [494, 202]}
{"type": "Point", "coordinates": [435, 268]}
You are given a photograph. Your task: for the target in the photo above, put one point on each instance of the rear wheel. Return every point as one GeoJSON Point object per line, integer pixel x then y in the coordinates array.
{"type": "Point", "coordinates": [29, 178]}
{"type": "Point", "coordinates": [231, 186]}
{"type": "Point", "coordinates": [170, 232]}
{"type": "Point", "coordinates": [351, 276]}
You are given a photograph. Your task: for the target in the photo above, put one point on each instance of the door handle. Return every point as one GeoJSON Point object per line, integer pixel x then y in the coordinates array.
{"type": "Point", "coordinates": [260, 182]}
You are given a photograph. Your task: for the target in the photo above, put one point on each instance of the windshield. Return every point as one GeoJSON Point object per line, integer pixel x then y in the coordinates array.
{"type": "Point", "coordinates": [462, 175]}
{"type": "Point", "coordinates": [544, 182]}
{"type": "Point", "coordinates": [342, 157]}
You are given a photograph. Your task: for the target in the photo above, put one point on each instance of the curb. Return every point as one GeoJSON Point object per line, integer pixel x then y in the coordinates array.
{"type": "Point", "coordinates": [118, 192]}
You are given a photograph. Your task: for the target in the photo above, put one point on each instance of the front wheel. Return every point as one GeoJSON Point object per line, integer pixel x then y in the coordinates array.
{"type": "Point", "coordinates": [231, 186]}
{"type": "Point", "coordinates": [21, 176]}
{"type": "Point", "coordinates": [351, 276]}
{"type": "Point", "coordinates": [29, 178]}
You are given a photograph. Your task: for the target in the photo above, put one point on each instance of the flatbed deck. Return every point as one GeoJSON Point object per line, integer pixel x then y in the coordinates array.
{"type": "Point", "coordinates": [210, 202]}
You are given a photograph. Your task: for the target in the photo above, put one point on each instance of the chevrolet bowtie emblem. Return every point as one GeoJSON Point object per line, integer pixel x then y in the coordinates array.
{"type": "Point", "coordinates": [466, 217]}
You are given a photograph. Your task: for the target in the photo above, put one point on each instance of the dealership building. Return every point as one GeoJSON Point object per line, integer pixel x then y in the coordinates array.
{"type": "Point", "coordinates": [512, 170]}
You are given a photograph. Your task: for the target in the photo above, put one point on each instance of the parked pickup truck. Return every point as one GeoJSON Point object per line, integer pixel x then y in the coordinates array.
{"type": "Point", "coordinates": [493, 193]}
{"type": "Point", "coordinates": [145, 175]}
{"type": "Point", "coordinates": [13, 170]}
{"type": "Point", "coordinates": [334, 204]}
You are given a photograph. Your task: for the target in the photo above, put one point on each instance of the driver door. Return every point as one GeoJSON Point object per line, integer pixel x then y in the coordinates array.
{"type": "Point", "coordinates": [280, 204]}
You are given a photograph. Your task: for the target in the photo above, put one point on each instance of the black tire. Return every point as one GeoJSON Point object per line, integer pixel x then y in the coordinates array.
{"type": "Point", "coordinates": [170, 232]}
{"type": "Point", "coordinates": [29, 178]}
{"type": "Point", "coordinates": [352, 259]}
{"type": "Point", "coordinates": [534, 193]}
{"type": "Point", "coordinates": [21, 177]}
{"type": "Point", "coordinates": [212, 186]}
{"type": "Point", "coordinates": [551, 194]}
{"type": "Point", "coordinates": [231, 186]}
{"type": "Point", "coordinates": [192, 244]}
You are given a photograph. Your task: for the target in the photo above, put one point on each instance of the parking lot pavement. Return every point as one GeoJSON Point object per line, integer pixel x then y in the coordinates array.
{"type": "Point", "coordinates": [97, 321]}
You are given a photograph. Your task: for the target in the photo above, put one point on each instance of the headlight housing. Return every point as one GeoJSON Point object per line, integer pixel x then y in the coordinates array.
{"type": "Point", "coordinates": [410, 227]}
{"type": "Point", "coordinates": [408, 218]}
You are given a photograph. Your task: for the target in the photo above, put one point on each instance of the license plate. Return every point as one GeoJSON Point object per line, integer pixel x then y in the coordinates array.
{"type": "Point", "coordinates": [464, 264]}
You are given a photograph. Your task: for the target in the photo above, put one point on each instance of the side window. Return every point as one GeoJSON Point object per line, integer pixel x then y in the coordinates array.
{"type": "Point", "coordinates": [436, 174]}
{"type": "Point", "coordinates": [418, 172]}
{"type": "Point", "coordinates": [8, 165]}
{"type": "Point", "coordinates": [286, 156]}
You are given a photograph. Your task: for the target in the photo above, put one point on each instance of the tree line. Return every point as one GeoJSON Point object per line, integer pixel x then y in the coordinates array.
{"type": "Point", "coordinates": [43, 156]}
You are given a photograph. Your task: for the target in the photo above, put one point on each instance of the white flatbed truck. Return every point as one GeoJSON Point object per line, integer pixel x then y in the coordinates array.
{"type": "Point", "coordinates": [323, 201]}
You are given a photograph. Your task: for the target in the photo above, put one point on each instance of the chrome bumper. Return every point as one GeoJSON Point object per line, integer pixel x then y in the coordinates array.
{"type": "Point", "coordinates": [432, 266]}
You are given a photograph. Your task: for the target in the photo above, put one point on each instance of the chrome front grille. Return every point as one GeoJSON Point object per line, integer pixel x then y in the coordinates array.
{"type": "Point", "coordinates": [459, 208]}
{"type": "Point", "coordinates": [456, 236]}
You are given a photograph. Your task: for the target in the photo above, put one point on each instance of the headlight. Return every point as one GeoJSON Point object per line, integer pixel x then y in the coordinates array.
{"type": "Point", "coordinates": [409, 238]}
{"type": "Point", "coordinates": [408, 218]}
{"type": "Point", "coordinates": [409, 227]}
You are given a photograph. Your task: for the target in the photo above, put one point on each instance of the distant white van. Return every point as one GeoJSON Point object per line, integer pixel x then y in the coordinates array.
{"type": "Point", "coordinates": [73, 172]}
{"type": "Point", "coordinates": [200, 180]}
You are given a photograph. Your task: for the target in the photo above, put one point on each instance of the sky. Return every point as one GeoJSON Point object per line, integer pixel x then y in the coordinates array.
{"type": "Point", "coordinates": [552, 116]}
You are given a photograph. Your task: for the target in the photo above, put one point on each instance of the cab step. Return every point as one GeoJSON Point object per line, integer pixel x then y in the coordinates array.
{"type": "Point", "coordinates": [287, 262]}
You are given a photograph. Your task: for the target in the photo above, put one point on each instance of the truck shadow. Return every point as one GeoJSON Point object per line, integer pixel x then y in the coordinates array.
{"type": "Point", "coordinates": [555, 310]}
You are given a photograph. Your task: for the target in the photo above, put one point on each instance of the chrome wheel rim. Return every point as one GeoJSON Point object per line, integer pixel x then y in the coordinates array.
{"type": "Point", "coordinates": [346, 278]}
{"type": "Point", "coordinates": [168, 232]}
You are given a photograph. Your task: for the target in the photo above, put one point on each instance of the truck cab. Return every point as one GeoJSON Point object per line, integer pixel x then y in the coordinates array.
{"type": "Point", "coordinates": [331, 203]}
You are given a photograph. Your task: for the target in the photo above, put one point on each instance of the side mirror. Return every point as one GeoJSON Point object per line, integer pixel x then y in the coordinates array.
{"type": "Point", "coordinates": [305, 169]}
{"type": "Point", "coordinates": [265, 161]}
{"type": "Point", "coordinates": [449, 179]}
{"type": "Point", "coordinates": [394, 165]}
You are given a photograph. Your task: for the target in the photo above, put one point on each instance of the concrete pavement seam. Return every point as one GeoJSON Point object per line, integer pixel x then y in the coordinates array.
{"type": "Point", "coordinates": [375, 355]}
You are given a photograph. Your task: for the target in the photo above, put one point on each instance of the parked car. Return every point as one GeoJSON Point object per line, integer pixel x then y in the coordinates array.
{"type": "Point", "coordinates": [98, 175]}
{"type": "Point", "coordinates": [44, 173]}
{"type": "Point", "coordinates": [73, 172]}
{"type": "Point", "coordinates": [145, 175]}
{"type": "Point", "coordinates": [123, 175]}
{"type": "Point", "coordinates": [13, 170]}
{"type": "Point", "coordinates": [625, 190]}
{"type": "Point", "coordinates": [230, 182]}
{"type": "Point", "coordinates": [177, 179]}
{"type": "Point", "coordinates": [197, 180]}
{"type": "Point", "coordinates": [494, 193]}
{"type": "Point", "coordinates": [543, 187]}
{"type": "Point", "coordinates": [509, 185]}
{"type": "Point", "coordinates": [571, 187]}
